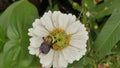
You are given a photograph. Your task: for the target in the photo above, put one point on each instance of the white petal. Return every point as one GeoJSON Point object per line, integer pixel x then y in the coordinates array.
{"type": "Point", "coordinates": [73, 28]}
{"type": "Point", "coordinates": [49, 13]}
{"type": "Point", "coordinates": [40, 31]}
{"type": "Point", "coordinates": [37, 52]}
{"type": "Point", "coordinates": [78, 43]}
{"type": "Point", "coordinates": [80, 36]}
{"type": "Point", "coordinates": [41, 55]}
{"type": "Point", "coordinates": [30, 32]}
{"type": "Point", "coordinates": [81, 33]}
{"type": "Point", "coordinates": [68, 55]}
{"type": "Point", "coordinates": [76, 52]}
{"type": "Point", "coordinates": [63, 21]}
{"type": "Point", "coordinates": [36, 23]}
{"type": "Point", "coordinates": [83, 51]}
{"type": "Point", "coordinates": [82, 27]}
{"type": "Point", "coordinates": [49, 66]}
{"type": "Point", "coordinates": [55, 18]}
{"type": "Point", "coordinates": [62, 62]}
{"type": "Point", "coordinates": [32, 50]}
{"type": "Point", "coordinates": [35, 42]}
{"type": "Point", "coordinates": [55, 60]}
{"type": "Point", "coordinates": [47, 22]}
{"type": "Point", "coordinates": [83, 37]}
{"type": "Point", "coordinates": [47, 59]}
{"type": "Point", "coordinates": [72, 18]}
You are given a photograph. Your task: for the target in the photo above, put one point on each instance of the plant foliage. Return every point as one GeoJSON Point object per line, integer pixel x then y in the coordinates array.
{"type": "Point", "coordinates": [103, 25]}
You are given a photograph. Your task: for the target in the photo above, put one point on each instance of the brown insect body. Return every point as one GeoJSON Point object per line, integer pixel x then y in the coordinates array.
{"type": "Point", "coordinates": [46, 44]}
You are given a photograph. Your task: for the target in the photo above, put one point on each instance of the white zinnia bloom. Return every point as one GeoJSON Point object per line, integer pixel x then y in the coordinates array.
{"type": "Point", "coordinates": [57, 39]}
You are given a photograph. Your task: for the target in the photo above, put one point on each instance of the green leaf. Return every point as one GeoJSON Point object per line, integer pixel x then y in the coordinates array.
{"type": "Point", "coordinates": [4, 21]}
{"type": "Point", "coordinates": [1, 60]}
{"type": "Point", "coordinates": [14, 23]}
{"type": "Point", "coordinates": [105, 8]}
{"type": "Point", "coordinates": [16, 56]}
{"type": "Point", "coordinates": [109, 36]}
{"type": "Point", "coordinates": [1, 39]}
{"type": "Point", "coordinates": [83, 63]}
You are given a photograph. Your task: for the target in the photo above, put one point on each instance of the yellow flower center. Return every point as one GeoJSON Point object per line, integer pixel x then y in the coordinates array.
{"type": "Point", "coordinates": [62, 39]}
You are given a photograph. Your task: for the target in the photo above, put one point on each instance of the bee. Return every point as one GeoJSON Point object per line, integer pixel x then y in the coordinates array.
{"type": "Point", "coordinates": [47, 44]}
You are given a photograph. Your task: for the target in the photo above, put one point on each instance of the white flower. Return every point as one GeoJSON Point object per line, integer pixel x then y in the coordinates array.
{"type": "Point", "coordinates": [57, 39]}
